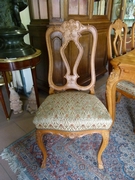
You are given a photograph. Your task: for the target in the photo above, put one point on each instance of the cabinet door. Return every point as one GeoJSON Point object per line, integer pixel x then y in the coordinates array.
{"type": "Point", "coordinates": [38, 10]}
{"type": "Point", "coordinates": [85, 10]}
{"type": "Point", "coordinates": [78, 9]}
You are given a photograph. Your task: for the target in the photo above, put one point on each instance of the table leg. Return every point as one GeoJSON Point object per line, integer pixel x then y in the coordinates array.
{"type": "Point", "coordinates": [111, 92]}
{"type": "Point", "coordinates": [3, 104]}
{"type": "Point", "coordinates": [6, 82]}
{"type": "Point", "coordinates": [33, 71]}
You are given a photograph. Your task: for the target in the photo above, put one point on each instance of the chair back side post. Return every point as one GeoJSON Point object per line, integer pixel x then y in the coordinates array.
{"type": "Point", "coordinates": [133, 36]}
{"type": "Point", "coordinates": [116, 42]}
{"type": "Point", "coordinates": [71, 32]}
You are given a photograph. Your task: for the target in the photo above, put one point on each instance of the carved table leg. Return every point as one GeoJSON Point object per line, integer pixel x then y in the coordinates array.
{"type": "Point", "coordinates": [111, 92]}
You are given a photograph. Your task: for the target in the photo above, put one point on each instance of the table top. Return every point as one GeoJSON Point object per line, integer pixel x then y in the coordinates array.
{"type": "Point", "coordinates": [127, 59]}
{"type": "Point", "coordinates": [29, 61]}
{"type": "Point", "coordinates": [13, 60]}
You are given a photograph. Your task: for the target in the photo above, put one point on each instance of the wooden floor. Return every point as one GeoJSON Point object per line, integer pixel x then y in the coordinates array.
{"type": "Point", "coordinates": [18, 126]}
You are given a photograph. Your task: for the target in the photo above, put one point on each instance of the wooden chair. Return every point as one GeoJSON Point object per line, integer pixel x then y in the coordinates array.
{"type": "Point", "coordinates": [116, 46]}
{"type": "Point", "coordinates": [69, 110]}
{"type": "Point", "coordinates": [116, 41]}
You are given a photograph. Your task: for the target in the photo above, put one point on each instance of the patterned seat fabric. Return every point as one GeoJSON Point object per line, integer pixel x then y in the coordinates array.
{"type": "Point", "coordinates": [127, 87]}
{"type": "Point", "coordinates": [72, 111]}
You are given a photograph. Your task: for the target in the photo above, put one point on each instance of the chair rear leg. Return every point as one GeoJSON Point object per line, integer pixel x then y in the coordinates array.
{"type": "Point", "coordinates": [39, 137]}
{"type": "Point", "coordinates": [104, 143]}
{"type": "Point", "coordinates": [118, 98]}
{"type": "Point", "coordinates": [134, 126]}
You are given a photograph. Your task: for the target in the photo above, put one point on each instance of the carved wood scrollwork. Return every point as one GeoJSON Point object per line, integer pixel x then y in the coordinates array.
{"type": "Point", "coordinates": [114, 77]}
{"type": "Point", "coordinates": [111, 91]}
{"type": "Point", "coordinates": [72, 31]}
{"type": "Point", "coordinates": [119, 25]}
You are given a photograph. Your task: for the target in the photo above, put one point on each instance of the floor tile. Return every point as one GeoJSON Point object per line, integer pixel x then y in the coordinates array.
{"type": "Point", "coordinates": [26, 124]}
{"type": "Point", "coordinates": [5, 171]}
{"type": "Point", "coordinates": [9, 134]}
{"type": "Point", "coordinates": [3, 174]}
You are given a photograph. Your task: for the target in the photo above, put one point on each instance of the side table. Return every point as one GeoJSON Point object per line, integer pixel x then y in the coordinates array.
{"type": "Point", "coordinates": [29, 61]}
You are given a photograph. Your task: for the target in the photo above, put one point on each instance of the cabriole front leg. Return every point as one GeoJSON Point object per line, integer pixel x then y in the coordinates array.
{"type": "Point", "coordinates": [105, 140]}
{"type": "Point", "coordinates": [39, 137]}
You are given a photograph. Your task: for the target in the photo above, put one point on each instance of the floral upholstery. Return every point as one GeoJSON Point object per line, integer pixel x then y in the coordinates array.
{"type": "Point", "coordinates": [72, 111]}
{"type": "Point", "coordinates": [127, 87]}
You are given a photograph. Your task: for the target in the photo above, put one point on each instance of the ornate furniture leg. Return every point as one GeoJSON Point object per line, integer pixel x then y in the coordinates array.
{"type": "Point", "coordinates": [111, 91]}
{"type": "Point", "coordinates": [3, 104]}
{"type": "Point", "coordinates": [39, 136]}
{"type": "Point", "coordinates": [105, 140]}
{"type": "Point", "coordinates": [6, 82]}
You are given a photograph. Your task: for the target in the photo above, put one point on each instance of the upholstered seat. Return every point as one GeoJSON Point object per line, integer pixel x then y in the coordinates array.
{"type": "Point", "coordinates": [71, 109]}
{"type": "Point", "coordinates": [127, 87]}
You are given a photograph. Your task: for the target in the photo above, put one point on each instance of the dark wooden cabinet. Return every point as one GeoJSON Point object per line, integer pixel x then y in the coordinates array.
{"type": "Point", "coordinates": [45, 13]}
{"type": "Point", "coordinates": [37, 39]}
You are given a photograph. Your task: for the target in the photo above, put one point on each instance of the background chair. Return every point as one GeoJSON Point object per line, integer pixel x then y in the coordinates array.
{"type": "Point", "coordinates": [116, 46]}
{"type": "Point", "coordinates": [116, 41]}
{"type": "Point", "coordinates": [69, 110]}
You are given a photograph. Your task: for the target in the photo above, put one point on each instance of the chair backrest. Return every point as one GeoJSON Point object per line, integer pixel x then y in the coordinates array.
{"type": "Point", "coordinates": [69, 34]}
{"type": "Point", "coordinates": [116, 39]}
{"type": "Point", "coordinates": [133, 36]}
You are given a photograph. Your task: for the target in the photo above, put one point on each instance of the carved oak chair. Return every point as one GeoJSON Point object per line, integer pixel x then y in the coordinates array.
{"type": "Point", "coordinates": [116, 46]}
{"type": "Point", "coordinates": [69, 110]}
{"type": "Point", "coordinates": [116, 40]}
